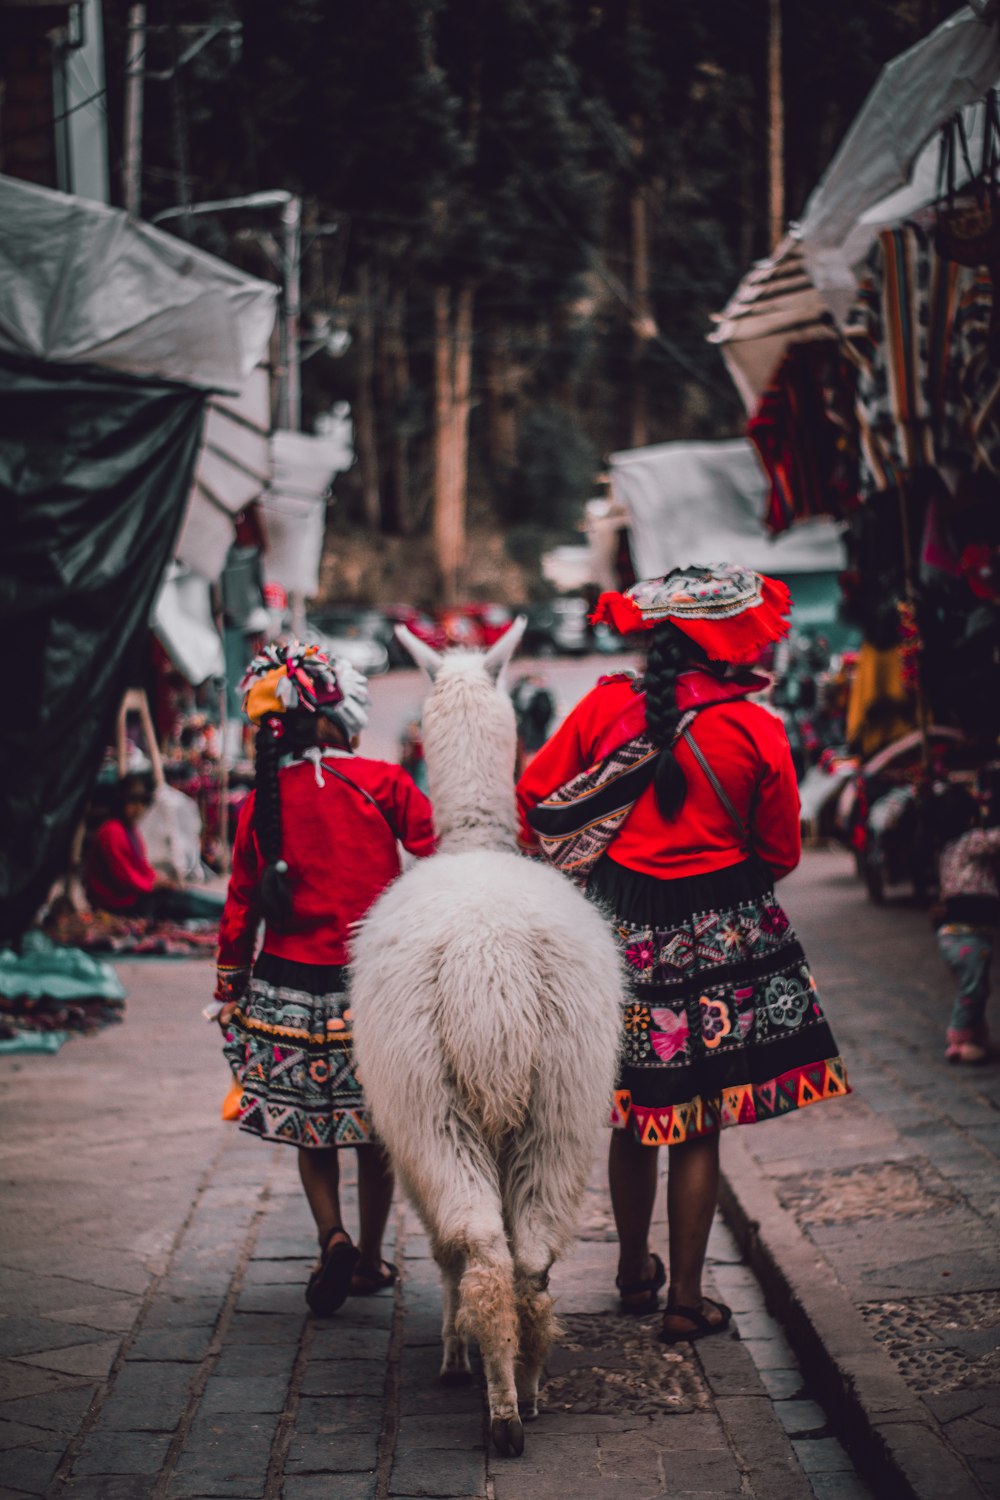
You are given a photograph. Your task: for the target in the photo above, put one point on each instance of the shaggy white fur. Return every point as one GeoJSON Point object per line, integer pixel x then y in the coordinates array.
{"type": "Point", "coordinates": [486, 993]}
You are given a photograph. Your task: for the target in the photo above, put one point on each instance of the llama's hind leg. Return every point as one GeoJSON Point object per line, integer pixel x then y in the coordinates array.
{"type": "Point", "coordinates": [455, 1367]}
{"type": "Point", "coordinates": [488, 1313]}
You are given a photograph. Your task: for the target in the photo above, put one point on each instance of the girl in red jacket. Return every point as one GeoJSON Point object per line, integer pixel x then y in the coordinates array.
{"type": "Point", "coordinates": [723, 1024]}
{"type": "Point", "coordinates": [315, 845]}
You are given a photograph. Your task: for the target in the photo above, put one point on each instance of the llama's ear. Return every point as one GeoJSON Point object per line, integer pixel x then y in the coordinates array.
{"type": "Point", "coordinates": [425, 656]}
{"type": "Point", "coordinates": [501, 651]}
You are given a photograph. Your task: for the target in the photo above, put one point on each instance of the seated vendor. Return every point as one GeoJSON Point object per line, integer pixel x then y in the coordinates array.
{"type": "Point", "coordinates": [119, 878]}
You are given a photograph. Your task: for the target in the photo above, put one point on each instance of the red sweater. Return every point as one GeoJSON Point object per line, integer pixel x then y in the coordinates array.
{"type": "Point", "coordinates": [745, 745]}
{"type": "Point", "coordinates": [118, 872]}
{"type": "Point", "coordinates": [340, 854]}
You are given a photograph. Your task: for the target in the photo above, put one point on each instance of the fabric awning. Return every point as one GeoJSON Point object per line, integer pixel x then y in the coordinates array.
{"type": "Point", "coordinates": [774, 305]}
{"type": "Point", "coordinates": [704, 503]}
{"type": "Point", "coordinates": [84, 284]}
{"type": "Point", "coordinates": [304, 467]}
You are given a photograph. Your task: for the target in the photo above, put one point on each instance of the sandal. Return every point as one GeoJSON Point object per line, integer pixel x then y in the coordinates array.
{"type": "Point", "coordinates": [648, 1289]}
{"type": "Point", "coordinates": [330, 1283]}
{"type": "Point", "coordinates": [367, 1283]}
{"type": "Point", "coordinates": [702, 1326]}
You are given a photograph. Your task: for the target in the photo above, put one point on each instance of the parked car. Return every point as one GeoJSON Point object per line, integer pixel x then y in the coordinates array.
{"type": "Point", "coordinates": [476, 625]}
{"type": "Point", "coordinates": [421, 624]}
{"type": "Point", "coordinates": [353, 636]}
{"type": "Point", "coordinates": [557, 625]}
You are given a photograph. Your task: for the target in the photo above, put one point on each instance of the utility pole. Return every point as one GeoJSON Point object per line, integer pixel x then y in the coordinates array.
{"type": "Point", "coordinates": [291, 229]}
{"type": "Point", "coordinates": [134, 68]}
{"type": "Point", "coordinates": [776, 128]}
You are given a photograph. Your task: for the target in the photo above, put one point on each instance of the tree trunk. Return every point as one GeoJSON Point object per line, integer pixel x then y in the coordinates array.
{"type": "Point", "coordinates": [642, 317]}
{"type": "Point", "coordinates": [501, 412]}
{"type": "Point", "coordinates": [365, 440]}
{"type": "Point", "coordinates": [452, 404]}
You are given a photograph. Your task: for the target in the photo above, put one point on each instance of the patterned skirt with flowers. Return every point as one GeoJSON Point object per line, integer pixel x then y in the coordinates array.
{"type": "Point", "coordinates": [290, 1046]}
{"type": "Point", "coordinates": [723, 1025]}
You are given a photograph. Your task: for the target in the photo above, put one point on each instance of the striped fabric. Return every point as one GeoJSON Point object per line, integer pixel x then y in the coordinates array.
{"type": "Point", "coordinates": [927, 385]}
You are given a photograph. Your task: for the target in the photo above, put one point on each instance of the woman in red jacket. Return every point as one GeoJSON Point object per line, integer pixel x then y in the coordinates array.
{"type": "Point", "coordinates": [723, 1024]}
{"type": "Point", "coordinates": [315, 845]}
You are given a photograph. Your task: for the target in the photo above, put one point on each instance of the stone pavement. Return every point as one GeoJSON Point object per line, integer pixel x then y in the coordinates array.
{"type": "Point", "coordinates": [154, 1343]}
{"type": "Point", "coordinates": [874, 1221]}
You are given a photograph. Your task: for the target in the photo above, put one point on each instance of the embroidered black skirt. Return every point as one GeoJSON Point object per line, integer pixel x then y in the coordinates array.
{"type": "Point", "coordinates": [290, 1046]}
{"type": "Point", "coordinates": [723, 1025]}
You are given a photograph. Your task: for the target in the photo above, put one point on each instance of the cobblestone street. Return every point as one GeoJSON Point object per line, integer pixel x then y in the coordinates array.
{"type": "Point", "coordinates": [155, 1342]}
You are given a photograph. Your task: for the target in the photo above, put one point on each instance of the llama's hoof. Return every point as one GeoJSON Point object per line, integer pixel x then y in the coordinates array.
{"type": "Point", "coordinates": [528, 1409]}
{"type": "Point", "coordinates": [508, 1436]}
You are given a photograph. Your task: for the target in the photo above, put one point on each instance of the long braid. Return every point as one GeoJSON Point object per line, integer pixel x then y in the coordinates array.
{"type": "Point", "coordinates": [274, 891]}
{"type": "Point", "coordinates": [669, 655]}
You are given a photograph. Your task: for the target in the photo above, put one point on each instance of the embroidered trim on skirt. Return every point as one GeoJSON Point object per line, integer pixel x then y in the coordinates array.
{"type": "Point", "coordinates": [290, 1046]}
{"type": "Point", "coordinates": [723, 1025]}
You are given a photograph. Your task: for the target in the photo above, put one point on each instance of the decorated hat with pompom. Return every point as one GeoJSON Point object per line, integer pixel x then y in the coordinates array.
{"type": "Point", "coordinates": [297, 678]}
{"type": "Point", "coordinates": [731, 612]}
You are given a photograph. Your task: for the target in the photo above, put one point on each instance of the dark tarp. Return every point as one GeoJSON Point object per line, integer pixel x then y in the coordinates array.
{"type": "Point", "coordinates": [95, 469]}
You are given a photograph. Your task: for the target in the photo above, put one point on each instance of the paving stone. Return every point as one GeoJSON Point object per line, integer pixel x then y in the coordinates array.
{"type": "Point", "coordinates": [108, 1487]}
{"type": "Point", "coordinates": [801, 1418]}
{"type": "Point", "coordinates": [93, 1360]}
{"type": "Point", "coordinates": [147, 1397]}
{"type": "Point", "coordinates": [19, 1435]}
{"type": "Point", "coordinates": [821, 1455]}
{"type": "Point", "coordinates": [338, 1416]}
{"type": "Point", "coordinates": [225, 1454]}
{"type": "Point", "coordinates": [56, 1411]}
{"type": "Point", "coordinates": [438, 1474]}
{"type": "Point", "coordinates": [451, 1430]}
{"type": "Point", "coordinates": [839, 1486]}
{"type": "Point", "coordinates": [333, 1453]}
{"type": "Point", "coordinates": [263, 1359]}
{"type": "Point", "coordinates": [29, 1469]}
{"type": "Point", "coordinates": [17, 1380]}
{"type": "Point", "coordinates": [278, 1273]}
{"type": "Point", "coordinates": [108, 1317]}
{"type": "Point", "coordinates": [189, 1344]}
{"type": "Point", "coordinates": [123, 1453]}
{"type": "Point", "coordinates": [319, 1487]}
{"type": "Point", "coordinates": [284, 1300]}
{"type": "Point", "coordinates": [21, 1336]}
{"type": "Point", "coordinates": [343, 1341]}
{"type": "Point", "coordinates": [782, 1385]}
{"type": "Point", "coordinates": [244, 1393]}
{"type": "Point", "coordinates": [728, 1367]}
{"type": "Point", "coordinates": [771, 1353]}
{"type": "Point", "coordinates": [351, 1377]}
{"type": "Point", "coordinates": [258, 1328]}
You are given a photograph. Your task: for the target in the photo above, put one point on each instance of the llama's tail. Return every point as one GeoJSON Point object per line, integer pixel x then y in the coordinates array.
{"type": "Point", "coordinates": [489, 1025]}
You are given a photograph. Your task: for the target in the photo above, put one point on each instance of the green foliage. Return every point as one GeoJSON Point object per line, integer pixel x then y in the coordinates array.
{"type": "Point", "coordinates": [554, 473]}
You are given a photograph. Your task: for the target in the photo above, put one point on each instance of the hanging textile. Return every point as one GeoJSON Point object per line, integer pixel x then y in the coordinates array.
{"type": "Point", "coordinates": [928, 389]}
{"type": "Point", "coordinates": [95, 469]}
{"type": "Point", "coordinates": [805, 433]}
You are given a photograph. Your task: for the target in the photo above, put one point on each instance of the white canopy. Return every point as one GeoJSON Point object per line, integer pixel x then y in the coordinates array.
{"type": "Point", "coordinates": [295, 508]}
{"type": "Point", "coordinates": [704, 502]}
{"type": "Point", "coordinates": [84, 284]}
{"type": "Point", "coordinates": [892, 145]}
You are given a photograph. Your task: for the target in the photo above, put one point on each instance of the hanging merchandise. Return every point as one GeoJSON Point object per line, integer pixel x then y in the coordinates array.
{"type": "Point", "coordinates": [968, 221]}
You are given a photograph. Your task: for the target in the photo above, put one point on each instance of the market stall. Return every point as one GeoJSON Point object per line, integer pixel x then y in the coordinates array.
{"type": "Point", "coordinates": [867, 352]}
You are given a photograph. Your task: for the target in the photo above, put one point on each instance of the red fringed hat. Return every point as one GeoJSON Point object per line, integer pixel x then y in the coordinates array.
{"type": "Point", "coordinates": [731, 612]}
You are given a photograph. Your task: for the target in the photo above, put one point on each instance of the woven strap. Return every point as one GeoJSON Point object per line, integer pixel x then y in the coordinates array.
{"type": "Point", "coordinates": [720, 791]}
{"type": "Point", "coordinates": [367, 796]}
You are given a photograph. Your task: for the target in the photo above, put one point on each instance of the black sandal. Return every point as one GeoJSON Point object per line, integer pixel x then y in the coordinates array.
{"type": "Point", "coordinates": [648, 1288]}
{"type": "Point", "coordinates": [367, 1283]}
{"type": "Point", "coordinates": [330, 1283]}
{"type": "Point", "coordinates": [702, 1326]}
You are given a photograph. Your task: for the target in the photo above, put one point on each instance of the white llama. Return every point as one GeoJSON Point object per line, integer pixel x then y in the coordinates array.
{"type": "Point", "coordinates": [486, 993]}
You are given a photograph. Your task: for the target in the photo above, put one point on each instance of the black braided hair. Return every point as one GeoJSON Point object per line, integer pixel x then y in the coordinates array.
{"type": "Point", "coordinates": [274, 891]}
{"type": "Point", "coordinates": [671, 652]}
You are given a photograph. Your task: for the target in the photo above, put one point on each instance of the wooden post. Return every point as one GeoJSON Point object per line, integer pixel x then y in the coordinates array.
{"type": "Point", "coordinates": [134, 70]}
{"type": "Point", "coordinates": [776, 128]}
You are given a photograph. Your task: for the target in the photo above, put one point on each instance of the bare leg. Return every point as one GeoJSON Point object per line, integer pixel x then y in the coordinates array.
{"type": "Point", "coordinates": [375, 1185]}
{"type": "Point", "coordinates": [692, 1195]}
{"type": "Point", "coordinates": [633, 1175]}
{"type": "Point", "coordinates": [320, 1173]}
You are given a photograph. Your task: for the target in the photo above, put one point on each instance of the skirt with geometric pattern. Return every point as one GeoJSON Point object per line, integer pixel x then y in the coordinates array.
{"type": "Point", "coordinates": [289, 1044]}
{"type": "Point", "coordinates": [723, 1023]}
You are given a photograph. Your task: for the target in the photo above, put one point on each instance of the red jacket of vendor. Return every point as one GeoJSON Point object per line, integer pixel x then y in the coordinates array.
{"type": "Point", "coordinates": [118, 871]}
{"type": "Point", "coordinates": [744, 743]}
{"type": "Point", "coordinates": [340, 851]}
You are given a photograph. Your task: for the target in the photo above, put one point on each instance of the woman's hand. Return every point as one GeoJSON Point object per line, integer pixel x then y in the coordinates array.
{"type": "Point", "coordinates": [226, 1013]}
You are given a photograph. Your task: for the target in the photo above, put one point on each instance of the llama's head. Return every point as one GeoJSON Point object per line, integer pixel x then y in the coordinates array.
{"type": "Point", "coordinates": [470, 741]}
